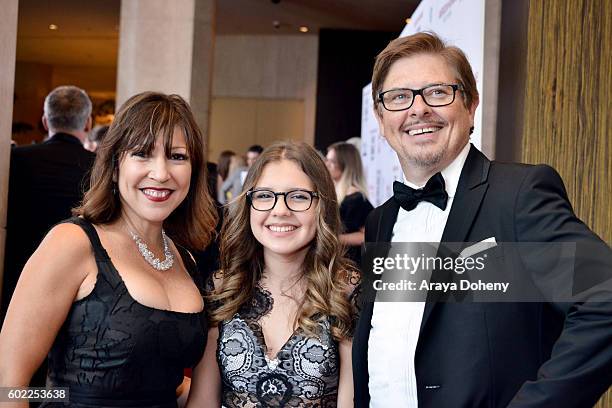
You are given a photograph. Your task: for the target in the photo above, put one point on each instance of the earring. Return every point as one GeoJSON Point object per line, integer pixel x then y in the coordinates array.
{"type": "Point", "coordinates": [114, 189]}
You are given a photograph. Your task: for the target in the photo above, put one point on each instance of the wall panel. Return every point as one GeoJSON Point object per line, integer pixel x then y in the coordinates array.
{"type": "Point", "coordinates": [569, 100]}
{"type": "Point", "coordinates": [568, 103]}
{"type": "Point", "coordinates": [8, 40]}
{"type": "Point", "coordinates": [237, 123]}
{"type": "Point", "coordinates": [282, 67]}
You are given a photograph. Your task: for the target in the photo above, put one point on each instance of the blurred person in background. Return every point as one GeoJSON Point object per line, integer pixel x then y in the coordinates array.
{"type": "Point", "coordinates": [20, 131]}
{"type": "Point", "coordinates": [228, 163]}
{"type": "Point", "coordinates": [233, 185]}
{"type": "Point", "coordinates": [253, 154]}
{"type": "Point", "coordinates": [112, 295]}
{"type": "Point", "coordinates": [344, 164]}
{"type": "Point", "coordinates": [46, 181]}
{"type": "Point", "coordinates": [355, 141]}
{"type": "Point", "coordinates": [94, 138]}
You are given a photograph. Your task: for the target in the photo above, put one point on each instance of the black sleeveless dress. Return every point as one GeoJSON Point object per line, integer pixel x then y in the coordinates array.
{"type": "Point", "coordinates": [354, 210]}
{"type": "Point", "coordinates": [115, 352]}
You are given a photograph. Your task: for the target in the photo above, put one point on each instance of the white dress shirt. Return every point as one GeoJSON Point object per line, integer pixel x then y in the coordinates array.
{"type": "Point", "coordinates": [396, 325]}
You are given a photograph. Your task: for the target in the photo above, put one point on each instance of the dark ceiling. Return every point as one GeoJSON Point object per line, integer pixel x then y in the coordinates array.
{"type": "Point", "coordinates": [88, 31]}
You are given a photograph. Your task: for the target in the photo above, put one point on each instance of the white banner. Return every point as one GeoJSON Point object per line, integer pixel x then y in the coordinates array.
{"type": "Point", "coordinates": [457, 22]}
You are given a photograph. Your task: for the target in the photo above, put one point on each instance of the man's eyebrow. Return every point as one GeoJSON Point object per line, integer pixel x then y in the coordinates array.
{"type": "Point", "coordinates": [399, 88]}
{"type": "Point", "coordinates": [282, 190]}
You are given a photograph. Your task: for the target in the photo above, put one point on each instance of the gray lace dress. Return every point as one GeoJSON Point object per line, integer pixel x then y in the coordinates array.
{"type": "Point", "coordinates": [304, 373]}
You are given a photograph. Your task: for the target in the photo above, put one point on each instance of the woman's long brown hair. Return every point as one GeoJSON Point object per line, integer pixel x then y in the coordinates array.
{"type": "Point", "coordinates": [137, 124]}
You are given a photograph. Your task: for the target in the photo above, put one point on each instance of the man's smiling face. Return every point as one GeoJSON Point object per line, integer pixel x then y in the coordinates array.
{"type": "Point", "coordinates": [424, 136]}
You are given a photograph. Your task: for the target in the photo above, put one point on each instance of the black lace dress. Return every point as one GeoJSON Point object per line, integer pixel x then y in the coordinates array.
{"type": "Point", "coordinates": [304, 373]}
{"type": "Point", "coordinates": [114, 352]}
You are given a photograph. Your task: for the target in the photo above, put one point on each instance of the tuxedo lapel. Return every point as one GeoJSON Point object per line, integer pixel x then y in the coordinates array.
{"type": "Point", "coordinates": [379, 230]}
{"type": "Point", "coordinates": [385, 217]}
{"type": "Point", "coordinates": [386, 222]}
{"type": "Point", "coordinates": [378, 242]}
{"type": "Point", "coordinates": [468, 198]}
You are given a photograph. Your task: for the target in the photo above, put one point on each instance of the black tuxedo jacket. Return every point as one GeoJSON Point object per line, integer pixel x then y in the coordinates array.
{"type": "Point", "coordinates": [45, 182]}
{"type": "Point", "coordinates": [502, 354]}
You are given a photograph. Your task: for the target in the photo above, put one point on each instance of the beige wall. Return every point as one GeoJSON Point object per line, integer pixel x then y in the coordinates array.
{"type": "Point", "coordinates": [275, 68]}
{"type": "Point", "coordinates": [237, 123]}
{"type": "Point", "coordinates": [268, 67]}
{"type": "Point", "coordinates": [8, 39]}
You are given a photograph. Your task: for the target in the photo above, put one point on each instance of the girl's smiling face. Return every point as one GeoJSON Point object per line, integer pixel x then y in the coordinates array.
{"type": "Point", "coordinates": [280, 230]}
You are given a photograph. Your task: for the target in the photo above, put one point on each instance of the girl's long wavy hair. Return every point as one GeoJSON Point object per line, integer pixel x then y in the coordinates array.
{"type": "Point", "coordinates": [137, 124]}
{"type": "Point", "coordinates": [325, 269]}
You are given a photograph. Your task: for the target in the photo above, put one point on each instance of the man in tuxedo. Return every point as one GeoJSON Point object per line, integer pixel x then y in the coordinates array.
{"type": "Point", "coordinates": [470, 354]}
{"type": "Point", "coordinates": [46, 180]}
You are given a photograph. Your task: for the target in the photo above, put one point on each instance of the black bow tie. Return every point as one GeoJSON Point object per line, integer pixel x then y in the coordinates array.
{"type": "Point", "coordinates": [434, 192]}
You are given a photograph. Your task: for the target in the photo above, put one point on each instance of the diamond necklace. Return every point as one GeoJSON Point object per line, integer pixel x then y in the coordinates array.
{"type": "Point", "coordinates": [150, 257]}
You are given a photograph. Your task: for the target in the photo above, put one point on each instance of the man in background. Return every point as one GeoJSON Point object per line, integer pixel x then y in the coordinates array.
{"type": "Point", "coordinates": [234, 182]}
{"type": "Point", "coordinates": [46, 180]}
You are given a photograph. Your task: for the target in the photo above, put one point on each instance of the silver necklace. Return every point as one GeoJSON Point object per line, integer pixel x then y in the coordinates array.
{"type": "Point", "coordinates": [150, 257]}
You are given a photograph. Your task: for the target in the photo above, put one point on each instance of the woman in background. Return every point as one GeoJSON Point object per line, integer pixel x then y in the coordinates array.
{"type": "Point", "coordinates": [344, 164]}
{"type": "Point", "coordinates": [227, 164]}
{"type": "Point", "coordinates": [111, 295]}
{"type": "Point", "coordinates": [281, 318]}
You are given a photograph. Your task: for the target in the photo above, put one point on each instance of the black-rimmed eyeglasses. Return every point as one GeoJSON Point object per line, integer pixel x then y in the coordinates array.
{"type": "Point", "coordinates": [295, 200]}
{"type": "Point", "coordinates": [434, 95]}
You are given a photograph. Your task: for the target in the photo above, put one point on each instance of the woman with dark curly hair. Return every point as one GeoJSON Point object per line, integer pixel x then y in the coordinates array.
{"type": "Point", "coordinates": [282, 321]}
{"type": "Point", "coordinates": [111, 295]}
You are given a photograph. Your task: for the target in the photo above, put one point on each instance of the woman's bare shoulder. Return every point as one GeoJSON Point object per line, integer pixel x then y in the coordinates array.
{"type": "Point", "coordinates": [68, 237]}
{"type": "Point", "coordinates": [66, 246]}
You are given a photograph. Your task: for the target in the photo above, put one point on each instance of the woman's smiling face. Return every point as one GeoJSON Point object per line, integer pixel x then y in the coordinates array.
{"type": "Point", "coordinates": [152, 185]}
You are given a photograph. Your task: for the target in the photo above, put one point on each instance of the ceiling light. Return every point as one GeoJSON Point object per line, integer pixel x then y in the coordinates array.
{"type": "Point", "coordinates": [303, 29]}
{"type": "Point", "coordinates": [53, 27]}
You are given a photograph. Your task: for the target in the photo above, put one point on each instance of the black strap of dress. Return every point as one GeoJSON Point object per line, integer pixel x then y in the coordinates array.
{"type": "Point", "coordinates": [105, 266]}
